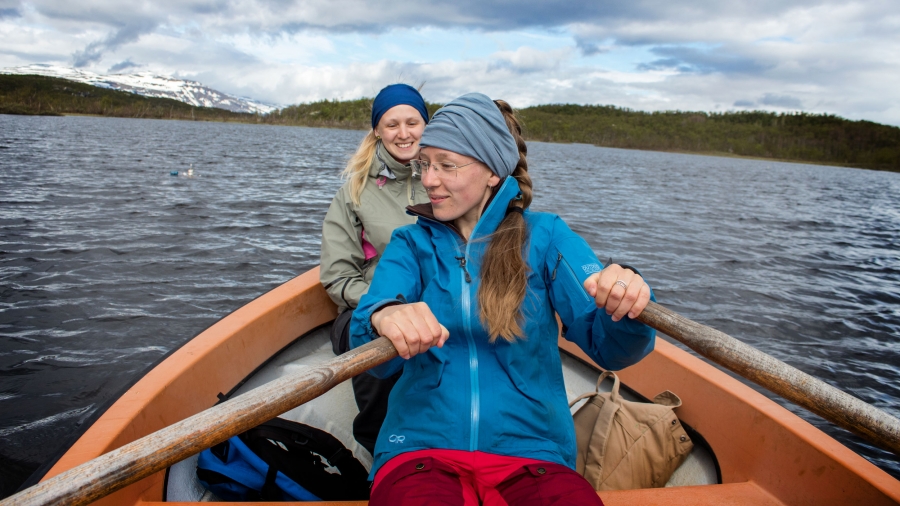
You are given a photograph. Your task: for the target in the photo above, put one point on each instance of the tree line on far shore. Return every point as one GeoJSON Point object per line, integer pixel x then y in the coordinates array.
{"type": "Point", "coordinates": [815, 138]}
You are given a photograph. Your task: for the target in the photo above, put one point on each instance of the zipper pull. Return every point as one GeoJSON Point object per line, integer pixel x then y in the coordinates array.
{"type": "Point", "coordinates": [462, 263]}
{"type": "Point", "coordinates": [558, 260]}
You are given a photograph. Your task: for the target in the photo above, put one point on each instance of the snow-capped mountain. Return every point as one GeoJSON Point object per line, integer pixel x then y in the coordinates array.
{"type": "Point", "coordinates": [150, 85]}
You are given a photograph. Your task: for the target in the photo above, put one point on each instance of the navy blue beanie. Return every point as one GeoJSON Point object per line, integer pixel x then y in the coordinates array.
{"type": "Point", "coordinates": [397, 94]}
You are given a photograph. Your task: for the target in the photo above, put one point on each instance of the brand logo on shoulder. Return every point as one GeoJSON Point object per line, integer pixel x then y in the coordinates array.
{"type": "Point", "coordinates": [591, 268]}
{"type": "Point", "coordinates": [397, 439]}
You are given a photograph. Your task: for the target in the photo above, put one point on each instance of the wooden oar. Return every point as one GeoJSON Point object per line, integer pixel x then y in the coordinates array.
{"type": "Point", "coordinates": [152, 453]}
{"type": "Point", "coordinates": [836, 406]}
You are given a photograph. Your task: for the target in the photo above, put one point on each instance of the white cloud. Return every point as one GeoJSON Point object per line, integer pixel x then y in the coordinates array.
{"type": "Point", "coordinates": [819, 55]}
{"type": "Point", "coordinates": [528, 59]}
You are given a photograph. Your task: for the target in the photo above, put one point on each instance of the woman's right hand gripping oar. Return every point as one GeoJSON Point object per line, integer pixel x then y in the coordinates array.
{"type": "Point", "coordinates": [411, 328]}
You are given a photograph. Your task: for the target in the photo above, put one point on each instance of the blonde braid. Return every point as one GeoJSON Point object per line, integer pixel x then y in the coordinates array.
{"type": "Point", "coordinates": [504, 270]}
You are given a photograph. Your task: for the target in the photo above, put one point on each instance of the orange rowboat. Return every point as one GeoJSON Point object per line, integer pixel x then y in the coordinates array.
{"type": "Point", "coordinates": [751, 451]}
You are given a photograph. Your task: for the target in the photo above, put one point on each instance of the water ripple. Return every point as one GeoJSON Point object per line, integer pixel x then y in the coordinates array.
{"type": "Point", "coordinates": [50, 420]}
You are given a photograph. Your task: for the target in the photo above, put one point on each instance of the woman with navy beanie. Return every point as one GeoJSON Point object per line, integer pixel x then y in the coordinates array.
{"type": "Point", "coordinates": [469, 297]}
{"type": "Point", "coordinates": [359, 223]}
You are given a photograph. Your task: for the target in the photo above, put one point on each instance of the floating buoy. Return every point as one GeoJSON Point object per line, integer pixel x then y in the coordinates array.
{"type": "Point", "coordinates": [173, 173]}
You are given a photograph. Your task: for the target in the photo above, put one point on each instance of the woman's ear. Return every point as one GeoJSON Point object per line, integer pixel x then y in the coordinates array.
{"type": "Point", "coordinates": [494, 180]}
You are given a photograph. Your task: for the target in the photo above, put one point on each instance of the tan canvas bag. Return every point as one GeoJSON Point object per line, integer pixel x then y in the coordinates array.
{"type": "Point", "coordinates": [626, 445]}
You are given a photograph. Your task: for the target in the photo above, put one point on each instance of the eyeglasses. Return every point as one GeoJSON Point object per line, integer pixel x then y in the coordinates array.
{"type": "Point", "coordinates": [441, 169]}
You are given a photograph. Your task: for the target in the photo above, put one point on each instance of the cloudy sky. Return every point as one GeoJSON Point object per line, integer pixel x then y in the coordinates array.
{"type": "Point", "coordinates": [838, 57]}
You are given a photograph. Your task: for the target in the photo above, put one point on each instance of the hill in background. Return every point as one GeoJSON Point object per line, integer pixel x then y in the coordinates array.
{"type": "Point", "coordinates": [149, 84]}
{"type": "Point", "coordinates": [814, 138]}
{"type": "Point", "coordinates": [40, 95]}
{"type": "Point", "coordinates": [818, 138]}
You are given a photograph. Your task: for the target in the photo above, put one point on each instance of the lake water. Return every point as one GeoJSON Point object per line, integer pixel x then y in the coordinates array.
{"type": "Point", "coordinates": [107, 261]}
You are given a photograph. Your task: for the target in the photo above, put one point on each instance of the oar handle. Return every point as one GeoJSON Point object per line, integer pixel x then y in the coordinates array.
{"type": "Point", "coordinates": [836, 406]}
{"type": "Point", "coordinates": [153, 453]}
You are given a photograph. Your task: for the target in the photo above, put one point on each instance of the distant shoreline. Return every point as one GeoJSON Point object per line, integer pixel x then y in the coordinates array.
{"type": "Point", "coordinates": [792, 138]}
{"type": "Point", "coordinates": [698, 153]}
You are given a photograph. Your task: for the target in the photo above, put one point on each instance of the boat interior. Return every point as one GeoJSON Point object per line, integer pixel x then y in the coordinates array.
{"type": "Point", "coordinates": [334, 413]}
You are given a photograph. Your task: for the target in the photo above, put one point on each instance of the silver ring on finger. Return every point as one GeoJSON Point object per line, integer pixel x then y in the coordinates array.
{"type": "Point", "coordinates": [622, 284]}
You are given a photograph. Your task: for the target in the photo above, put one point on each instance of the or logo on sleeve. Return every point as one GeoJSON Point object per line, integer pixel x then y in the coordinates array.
{"type": "Point", "coordinates": [591, 268]}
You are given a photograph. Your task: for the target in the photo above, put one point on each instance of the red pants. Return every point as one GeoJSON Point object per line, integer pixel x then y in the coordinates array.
{"type": "Point", "coordinates": [460, 478]}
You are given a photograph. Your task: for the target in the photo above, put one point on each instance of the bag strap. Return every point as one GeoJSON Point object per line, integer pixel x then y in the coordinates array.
{"type": "Point", "coordinates": [593, 469]}
{"type": "Point", "coordinates": [613, 393]}
{"type": "Point", "coordinates": [582, 397]}
{"type": "Point", "coordinates": [270, 491]}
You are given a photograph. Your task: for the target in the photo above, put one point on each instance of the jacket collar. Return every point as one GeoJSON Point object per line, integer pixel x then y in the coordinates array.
{"type": "Point", "coordinates": [491, 217]}
{"type": "Point", "coordinates": [496, 209]}
{"type": "Point", "coordinates": [384, 159]}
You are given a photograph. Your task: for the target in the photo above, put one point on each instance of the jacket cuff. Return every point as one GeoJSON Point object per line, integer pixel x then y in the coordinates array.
{"type": "Point", "coordinates": [378, 306]}
{"type": "Point", "coordinates": [630, 268]}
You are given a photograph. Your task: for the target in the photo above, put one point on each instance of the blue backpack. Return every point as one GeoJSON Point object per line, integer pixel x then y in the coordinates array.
{"type": "Point", "coordinates": [282, 460]}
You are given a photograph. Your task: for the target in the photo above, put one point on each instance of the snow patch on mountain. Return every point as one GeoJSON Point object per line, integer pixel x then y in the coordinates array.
{"type": "Point", "coordinates": [150, 85]}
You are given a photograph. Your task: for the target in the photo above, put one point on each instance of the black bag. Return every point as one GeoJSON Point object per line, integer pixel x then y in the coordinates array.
{"type": "Point", "coordinates": [286, 461]}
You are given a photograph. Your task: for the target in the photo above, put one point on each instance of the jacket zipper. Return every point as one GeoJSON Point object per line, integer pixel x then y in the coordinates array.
{"type": "Point", "coordinates": [556, 268]}
{"type": "Point", "coordinates": [462, 264]}
{"type": "Point", "coordinates": [568, 268]}
{"type": "Point", "coordinates": [465, 283]}
{"type": "Point", "coordinates": [466, 303]}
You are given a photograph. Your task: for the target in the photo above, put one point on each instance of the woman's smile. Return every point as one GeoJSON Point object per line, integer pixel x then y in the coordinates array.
{"type": "Point", "coordinates": [400, 130]}
{"type": "Point", "coordinates": [437, 199]}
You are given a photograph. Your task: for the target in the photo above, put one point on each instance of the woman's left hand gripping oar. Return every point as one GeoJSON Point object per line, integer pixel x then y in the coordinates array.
{"type": "Point", "coordinates": [619, 291]}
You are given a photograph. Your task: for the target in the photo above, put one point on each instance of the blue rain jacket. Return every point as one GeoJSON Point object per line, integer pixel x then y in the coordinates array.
{"type": "Point", "coordinates": [502, 398]}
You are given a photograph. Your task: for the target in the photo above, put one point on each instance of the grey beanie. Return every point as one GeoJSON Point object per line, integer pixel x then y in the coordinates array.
{"type": "Point", "coordinates": [472, 125]}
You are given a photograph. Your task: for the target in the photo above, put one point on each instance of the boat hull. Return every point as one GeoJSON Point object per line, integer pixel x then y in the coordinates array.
{"type": "Point", "coordinates": [766, 454]}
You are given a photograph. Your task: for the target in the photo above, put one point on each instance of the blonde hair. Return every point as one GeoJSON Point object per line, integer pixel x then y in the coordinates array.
{"type": "Point", "coordinates": [357, 169]}
{"type": "Point", "coordinates": [503, 270]}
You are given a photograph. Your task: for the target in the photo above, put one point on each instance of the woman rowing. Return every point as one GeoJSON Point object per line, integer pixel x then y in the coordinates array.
{"type": "Point", "coordinates": [358, 226]}
{"type": "Point", "coordinates": [469, 296]}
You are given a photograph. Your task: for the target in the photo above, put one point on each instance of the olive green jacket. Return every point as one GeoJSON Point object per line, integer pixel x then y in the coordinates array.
{"type": "Point", "coordinates": [345, 273]}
